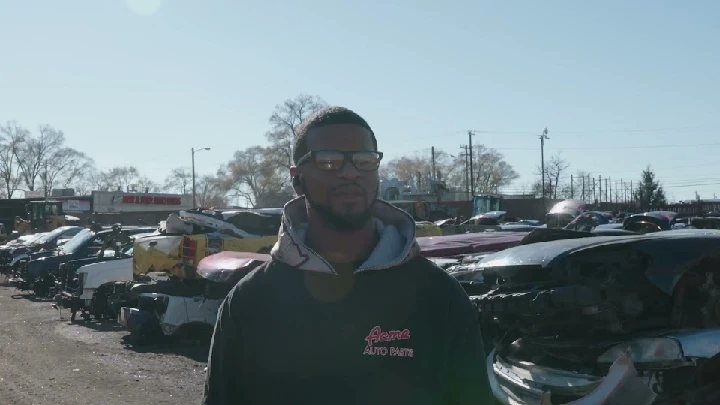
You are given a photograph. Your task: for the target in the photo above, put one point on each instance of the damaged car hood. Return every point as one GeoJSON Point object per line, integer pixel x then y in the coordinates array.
{"type": "Point", "coordinates": [664, 270]}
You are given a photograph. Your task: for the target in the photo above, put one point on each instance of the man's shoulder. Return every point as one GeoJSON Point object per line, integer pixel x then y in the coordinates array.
{"type": "Point", "coordinates": [434, 275]}
{"type": "Point", "coordinates": [259, 280]}
{"type": "Point", "coordinates": [424, 265]}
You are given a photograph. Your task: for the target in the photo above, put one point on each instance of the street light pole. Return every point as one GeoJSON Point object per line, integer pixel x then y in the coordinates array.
{"type": "Point", "coordinates": [543, 137]}
{"type": "Point", "coordinates": [193, 150]}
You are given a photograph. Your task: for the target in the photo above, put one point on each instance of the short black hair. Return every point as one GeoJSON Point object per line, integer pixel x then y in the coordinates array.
{"type": "Point", "coordinates": [327, 116]}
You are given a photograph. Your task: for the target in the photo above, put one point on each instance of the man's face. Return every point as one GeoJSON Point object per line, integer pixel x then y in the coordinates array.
{"type": "Point", "coordinates": [342, 197]}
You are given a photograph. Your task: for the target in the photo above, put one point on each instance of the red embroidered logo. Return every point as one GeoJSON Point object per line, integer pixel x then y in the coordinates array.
{"type": "Point", "coordinates": [377, 335]}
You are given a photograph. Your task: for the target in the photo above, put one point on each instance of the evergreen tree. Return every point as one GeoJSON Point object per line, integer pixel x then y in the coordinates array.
{"type": "Point", "coordinates": [649, 192]}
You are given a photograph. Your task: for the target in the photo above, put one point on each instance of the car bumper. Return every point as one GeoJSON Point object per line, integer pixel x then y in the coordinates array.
{"type": "Point", "coordinates": [132, 318]}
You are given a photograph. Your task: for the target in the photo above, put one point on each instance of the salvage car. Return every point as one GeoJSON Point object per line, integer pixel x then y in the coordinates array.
{"type": "Point", "coordinates": [39, 272]}
{"type": "Point", "coordinates": [653, 221]}
{"type": "Point", "coordinates": [605, 320]}
{"type": "Point", "coordinates": [468, 243]}
{"type": "Point", "coordinates": [8, 250]}
{"type": "Point", "coordinates": [48, 241]}
{"type": "Point", "coordinates": [188, 308]}
{"type": "Point", "coordinates": [564, 212]}
{"type": "Point", "coordinates": [89, 281]}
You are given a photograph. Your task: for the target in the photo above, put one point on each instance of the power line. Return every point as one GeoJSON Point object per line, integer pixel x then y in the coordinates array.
{"type": "Point", "coordinates": [572, 132]}
{"type": "Point", "coordinates": [599, 131]}
{"type": "Point", "coordinates": [697, 145]}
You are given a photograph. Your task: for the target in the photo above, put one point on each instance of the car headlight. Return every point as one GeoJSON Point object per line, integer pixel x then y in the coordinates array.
{"type": "Point", "coordinates": [647, 353]}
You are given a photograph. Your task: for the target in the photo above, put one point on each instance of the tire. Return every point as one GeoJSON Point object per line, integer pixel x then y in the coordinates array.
{"type": "Point", "coordinates": [145, 334]}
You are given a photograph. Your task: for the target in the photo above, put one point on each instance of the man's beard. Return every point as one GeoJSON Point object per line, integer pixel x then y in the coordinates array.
{"type": "Point", "coordinates": [342, 222]}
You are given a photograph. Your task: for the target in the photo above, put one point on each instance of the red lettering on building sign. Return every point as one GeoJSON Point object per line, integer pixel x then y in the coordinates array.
{"type": "Point", "coordinates": [145, 199]}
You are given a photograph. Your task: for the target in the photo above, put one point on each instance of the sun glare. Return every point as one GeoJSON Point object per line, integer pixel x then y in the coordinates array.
{"type": "Point", "coordinates": [144, 7]}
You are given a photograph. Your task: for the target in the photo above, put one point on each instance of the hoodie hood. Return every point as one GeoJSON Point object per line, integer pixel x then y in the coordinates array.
{"type": "Point", "coordinates": [396, 245]}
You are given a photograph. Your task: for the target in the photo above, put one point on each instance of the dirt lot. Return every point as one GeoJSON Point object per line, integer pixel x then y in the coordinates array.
{"type": "Point", "coordinates": [45, 360]}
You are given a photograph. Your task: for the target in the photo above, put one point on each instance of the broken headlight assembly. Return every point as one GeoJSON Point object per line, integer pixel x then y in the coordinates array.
{"type": "Point", "coordinates": [647, 353]}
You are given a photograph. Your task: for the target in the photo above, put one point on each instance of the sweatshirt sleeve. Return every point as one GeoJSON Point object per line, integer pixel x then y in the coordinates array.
{"type": "Point", "coordinates": [467, 373]}
{"type": "Point", "coordinates": [223, 373]}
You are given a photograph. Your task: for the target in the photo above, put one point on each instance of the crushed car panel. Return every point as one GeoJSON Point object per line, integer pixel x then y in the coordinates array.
{"type": "Point", "coordinates": [577, 306]}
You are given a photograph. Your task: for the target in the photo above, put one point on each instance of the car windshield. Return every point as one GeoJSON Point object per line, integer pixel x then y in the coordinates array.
{"type": "Point", "coordinates": [78, 241]}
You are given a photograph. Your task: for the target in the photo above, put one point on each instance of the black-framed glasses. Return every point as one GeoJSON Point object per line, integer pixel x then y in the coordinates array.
{"type": "Point", "coordinates": [332, 160]}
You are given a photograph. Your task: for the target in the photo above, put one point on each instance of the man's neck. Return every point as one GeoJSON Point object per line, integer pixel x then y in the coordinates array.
{"type": "Point", "coordinates": [341, 246]}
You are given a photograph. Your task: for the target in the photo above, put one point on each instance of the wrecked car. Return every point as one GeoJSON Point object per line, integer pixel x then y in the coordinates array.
{"type": "Point", "coordinates": [564, 212]}
{"type": "Point", "coordinates": [10, 250]}
{"type": "Point", "coordinates": [653, 221]}
{"type": "Point", "coordinates": [188, 308]}
{"type": "Point", "coordinates": [89, 282]}
{"type": "Point", "coordinates": [605, 320]}
{"type": "Point", "coordinates": [39, 272]}
{"type": "Point", "coordinates": [468, 243]}
{"type": "Point", "coordinates": [190, 236]}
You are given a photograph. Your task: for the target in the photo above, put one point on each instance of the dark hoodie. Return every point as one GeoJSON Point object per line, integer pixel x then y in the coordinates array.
{"type": "Point", "coordinates": [396, 330]}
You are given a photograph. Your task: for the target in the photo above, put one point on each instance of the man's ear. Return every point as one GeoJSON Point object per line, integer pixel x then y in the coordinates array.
{"type": "Point", "coordinates": [296, 183]}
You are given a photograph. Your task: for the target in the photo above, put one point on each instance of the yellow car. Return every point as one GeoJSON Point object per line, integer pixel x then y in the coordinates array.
{"type": "Point", "coordinates": [179, 255]}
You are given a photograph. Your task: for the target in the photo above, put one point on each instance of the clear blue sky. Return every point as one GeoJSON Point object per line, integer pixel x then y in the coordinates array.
{"type": "Point", "coordinates": [133, 86]}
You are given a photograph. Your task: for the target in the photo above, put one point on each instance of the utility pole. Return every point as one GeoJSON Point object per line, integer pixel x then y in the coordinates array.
{"type": "Point", "coordinates": [594, 189]}
{"type": "Point", "coordinates": [572, 187]}
{"type": "Point", "coordinates": [470, 148]}
{"type": "Point", "coordinates": [606, 191]}
{"type": "Point", "coordinates": [432, 152]}
{"type": "Point", "coordinates": [616, 192]}
{"type": "Point", "coordinates": [467, 182]}
{"type": "Point", "coordinates": [583, 188]}
{"type": "Point", "coordinates": [632, 194]}
{"type": "Point", "coordinates": [543, 137]}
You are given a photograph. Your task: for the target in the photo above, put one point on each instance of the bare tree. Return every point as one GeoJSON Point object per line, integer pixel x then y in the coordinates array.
{"type": "Point", "coordinates": [537, 188]}
{"type": "Point", "coordinates": [146, 185]}
{"type": "Point", "coordinates": [117, 178]}
{"type": "Point", "coordinates": [209, 194]}
{"type": "Point", "coordinates": [33, 153]}
{"type": "Point", "coordinates": [285, 120]}
{"type": "Point", "coordinates": [180, 180]}
{"type": "Point", "coordinates": [11, 136]}
{"type": "Point", "coordinates": [554, 170]}
{"type": "Point", "coordinates": [417, 169]}
{"type": "Point", "coordinates": [85, 182]}
{"type": "Point", "coordinates": [490, 170]}
{"type": "Point", "coordinates": [62, 168]}
{"type": "Point", "coordinates": [254, 175]}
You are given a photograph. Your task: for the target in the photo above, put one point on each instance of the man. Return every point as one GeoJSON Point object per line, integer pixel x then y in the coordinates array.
{"type": "Point", "coordinates": [347, 311]}
{"type": "Point", "coordinates": [117, 240]}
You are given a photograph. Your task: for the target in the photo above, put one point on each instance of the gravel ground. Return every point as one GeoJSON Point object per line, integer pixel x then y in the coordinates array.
{"type": "Point", "coordinates": [47, 360]}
